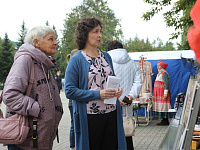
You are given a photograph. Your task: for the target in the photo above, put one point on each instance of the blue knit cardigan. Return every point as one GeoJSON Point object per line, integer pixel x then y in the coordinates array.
{"type": "Point", "coordinates": [76, 88]}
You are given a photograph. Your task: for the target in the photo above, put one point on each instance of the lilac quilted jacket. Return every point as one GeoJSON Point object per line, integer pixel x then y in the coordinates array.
{"type": "Point", "coordinates": [44, 102]}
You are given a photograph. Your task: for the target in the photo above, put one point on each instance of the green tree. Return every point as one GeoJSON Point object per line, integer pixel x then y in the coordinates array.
{"type": "Point", "coordinates": [54, 28]}
{"type": "Point", "coordinates": [184, 45]}
{"type": "Point", "coordinates": [6, 60]}
{"type": "Point", "coordinates": [148, 45]}
{"type": "Point", "coordinates": [21, 35]}
{"type": "Point", "coordinates": [137, 45]}
{"type": "Point", "coordinates": [169, 46]}
{"type": "Point", "coordinates": [47, 23]}
{"type": "Point", "coordinates": [1, 48]}
{"type": "Point", "coordinates": [159, 45]}
{"type": "Point", "coordinates": [58, 56]}
{"type": "Point", "coordinates": [178, 17]}
{"type": "Point", "coordinates": [141, 45]}
{"type": "Point", "coordinates": [91, 8]}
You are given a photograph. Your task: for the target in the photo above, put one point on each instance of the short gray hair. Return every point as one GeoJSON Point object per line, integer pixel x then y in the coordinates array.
{"type": "Point", "coordinates": [37, 32]}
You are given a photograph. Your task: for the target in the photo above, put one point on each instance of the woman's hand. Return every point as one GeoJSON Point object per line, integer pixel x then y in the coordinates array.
{"type": "Point", "coordinates": [165, 96]}
{"type": "Point", "coordinates": [130, 97]}
{"type": "Point", "coordinates": [110, 93]}
{"type": "Point", "coordinates": [119, 92]}
{"type": "Point", "coordinates": [122, 103]}
{"type": "Point", "coordinates": [107, 93]}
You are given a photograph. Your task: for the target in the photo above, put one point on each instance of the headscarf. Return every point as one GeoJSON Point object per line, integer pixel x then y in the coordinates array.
{"type": "Point", "coordinates": [162, 64]}
{"type": "Point", "coordinates": [194, 31]}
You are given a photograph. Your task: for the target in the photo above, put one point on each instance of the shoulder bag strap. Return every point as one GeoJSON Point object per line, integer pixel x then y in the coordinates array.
{"type": "Point", "coordinates": [31, 78]}
{"type": "Point", "coordinates": [126, 111]}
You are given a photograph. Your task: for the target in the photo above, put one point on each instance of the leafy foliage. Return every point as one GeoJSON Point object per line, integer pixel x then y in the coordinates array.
{"type": "Point", "coordinates": [90, 8]}
{"type": "Point", "coordinates": [140, 45]}
{"type": "Point", "coordinates": [111, 30]}
{"type": "Point", "coordinates": [178, 17]}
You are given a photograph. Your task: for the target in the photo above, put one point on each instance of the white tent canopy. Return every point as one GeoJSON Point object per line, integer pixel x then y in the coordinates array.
{"type": "Point", "coordinates": [157, 55]}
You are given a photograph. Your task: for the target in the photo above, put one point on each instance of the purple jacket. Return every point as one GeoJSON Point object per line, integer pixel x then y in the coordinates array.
{"type": "Point", "coordinates": [48, 107]}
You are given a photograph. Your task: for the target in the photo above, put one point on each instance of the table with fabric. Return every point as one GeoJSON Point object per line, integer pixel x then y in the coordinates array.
{"type": "Point", "coordinates": [145, 103]}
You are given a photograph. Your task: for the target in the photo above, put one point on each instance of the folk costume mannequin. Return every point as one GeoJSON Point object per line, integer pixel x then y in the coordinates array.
{"type": "Point", "coordinates": [146, 72]}
{"type": "Point", "coordinates": [161, 94]}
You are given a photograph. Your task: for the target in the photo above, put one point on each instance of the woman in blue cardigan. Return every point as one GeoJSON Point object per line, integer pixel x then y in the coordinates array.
{"type": "Point", "coordinates": [97, 126]}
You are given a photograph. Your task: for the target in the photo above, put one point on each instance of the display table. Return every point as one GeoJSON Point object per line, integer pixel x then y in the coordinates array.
{"type": "Point", "coordinates": [172, 112]}
{"type": "Point", "coordinates": [146, 103]}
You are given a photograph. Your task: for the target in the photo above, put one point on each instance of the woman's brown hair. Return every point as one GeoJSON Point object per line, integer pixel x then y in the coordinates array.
{"type": "Point", "coordinates": [83, 27]}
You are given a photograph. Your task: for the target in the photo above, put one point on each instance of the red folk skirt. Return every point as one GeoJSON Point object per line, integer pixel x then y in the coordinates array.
{"type": "Point", "coordinates": [161, 105]}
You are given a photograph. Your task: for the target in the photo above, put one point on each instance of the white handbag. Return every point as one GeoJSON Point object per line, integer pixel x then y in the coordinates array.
{"type": "Point", "coordinates": [128, 123]}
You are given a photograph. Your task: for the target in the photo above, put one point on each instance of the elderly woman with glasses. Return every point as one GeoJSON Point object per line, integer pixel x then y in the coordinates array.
{"type": "Point", "coordinates": [44, 104]}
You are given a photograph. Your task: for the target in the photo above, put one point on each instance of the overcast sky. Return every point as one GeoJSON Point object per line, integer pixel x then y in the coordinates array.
{"type": "Point", "coordinates": [37, 12]}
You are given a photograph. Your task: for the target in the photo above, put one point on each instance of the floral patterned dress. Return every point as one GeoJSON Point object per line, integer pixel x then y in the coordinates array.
{"type": "Point", "coordinates": [97, 79]}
